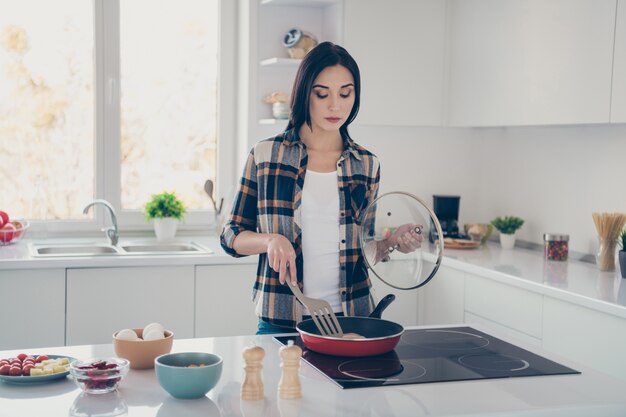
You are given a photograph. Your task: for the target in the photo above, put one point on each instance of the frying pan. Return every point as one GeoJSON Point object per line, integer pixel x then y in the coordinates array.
{"type": "Point", "coordinates": [380, 336]}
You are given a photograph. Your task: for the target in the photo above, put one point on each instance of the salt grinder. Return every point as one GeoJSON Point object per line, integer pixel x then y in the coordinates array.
{"type": "Point", "coordinates": [289, 384]}
{"type": "Point", "coordinates": [252, 387]}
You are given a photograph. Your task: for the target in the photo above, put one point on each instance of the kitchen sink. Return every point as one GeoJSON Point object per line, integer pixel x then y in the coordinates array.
{"type": "Point", "coordinates": [126, 249]}
{"type": "Point", "coordinates": [163, 248]}
{"type": "Point", "coordinates": [53, 250]}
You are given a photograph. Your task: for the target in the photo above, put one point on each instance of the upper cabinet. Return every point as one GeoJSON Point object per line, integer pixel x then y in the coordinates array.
{"type": "Point", "coordinates": [446, 62]}
{"type": "Point", "coordinates": [530, 62]}
{"type": "Point", "coordinates": [618, 98]}
{"type": "Point", "coordinates": [399, 46]}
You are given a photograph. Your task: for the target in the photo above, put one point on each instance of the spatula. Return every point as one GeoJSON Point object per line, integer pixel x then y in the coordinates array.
{"type": "Point", "coordinates": [321, 312]}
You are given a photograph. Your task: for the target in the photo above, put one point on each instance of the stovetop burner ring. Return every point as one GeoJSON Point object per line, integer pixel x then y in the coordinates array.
{"type": "Point", "coordinates": [452, 340]}
{"type": "Point", "coordinates": [406, 370]}
{"type": "Point", "coordinates": [496, 362]}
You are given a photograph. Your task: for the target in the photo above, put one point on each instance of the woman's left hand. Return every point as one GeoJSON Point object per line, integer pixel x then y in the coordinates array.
{"type": "Point", "coordinates": [405, 238]}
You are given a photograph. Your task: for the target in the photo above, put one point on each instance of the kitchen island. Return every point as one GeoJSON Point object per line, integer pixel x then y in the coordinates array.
{"type": "Point", "coordinates": [590, 393]}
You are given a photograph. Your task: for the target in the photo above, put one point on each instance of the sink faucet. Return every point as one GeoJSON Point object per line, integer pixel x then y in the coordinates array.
{"type": "Point", "coordinates": [112, 232]}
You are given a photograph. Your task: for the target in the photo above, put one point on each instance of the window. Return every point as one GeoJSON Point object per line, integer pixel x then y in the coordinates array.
{"type": "Point", "coordinates": [114, 99]}
{"type": "Point", "coordinates": [46, 108]}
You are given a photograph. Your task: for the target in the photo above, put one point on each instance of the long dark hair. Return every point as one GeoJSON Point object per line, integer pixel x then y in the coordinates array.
{"type": "Point", "coordinates": [326, 54]}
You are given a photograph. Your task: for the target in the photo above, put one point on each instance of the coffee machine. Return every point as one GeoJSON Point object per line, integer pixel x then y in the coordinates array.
{"type": "Point", "coordinates": [446, 208]}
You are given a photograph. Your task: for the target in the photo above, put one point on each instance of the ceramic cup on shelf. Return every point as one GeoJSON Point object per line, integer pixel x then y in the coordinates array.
{"type": "Point", "coordinates": [280, 110]}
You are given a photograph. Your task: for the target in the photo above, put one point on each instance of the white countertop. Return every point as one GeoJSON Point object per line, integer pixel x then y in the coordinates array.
{"type": "Point", "coordinates": [19, 256]}
{"type": "Point", "coordinates": [588, 394]}
{"type": "Point", "coordinates": [573, 281]}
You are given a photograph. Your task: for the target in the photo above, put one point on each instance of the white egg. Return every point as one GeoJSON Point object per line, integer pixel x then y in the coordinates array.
{"type": "Point", "coordinates": [154, 334]}
{"type": "Point", "coordinates": [153, 326]}
{"type": "Point", "coordinates": [127, 334]}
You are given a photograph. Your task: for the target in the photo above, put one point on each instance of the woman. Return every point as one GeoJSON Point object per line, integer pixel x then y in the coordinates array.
{"type": "Point", "coordinates": [301, 196]}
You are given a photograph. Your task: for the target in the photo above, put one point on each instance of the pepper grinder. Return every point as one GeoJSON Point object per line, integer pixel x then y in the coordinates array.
{"type": "Point", "coordinates": [289, 384]}
{"type": "Point", "coordinates": [252, 387]}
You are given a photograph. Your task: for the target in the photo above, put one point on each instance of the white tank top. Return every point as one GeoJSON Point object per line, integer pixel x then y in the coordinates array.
{"type": "Point", "coordinates": [320, 237]}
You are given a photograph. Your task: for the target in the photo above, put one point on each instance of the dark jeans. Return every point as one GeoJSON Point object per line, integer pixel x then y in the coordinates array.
{"type": "Point", "coordinates": [267, 328]}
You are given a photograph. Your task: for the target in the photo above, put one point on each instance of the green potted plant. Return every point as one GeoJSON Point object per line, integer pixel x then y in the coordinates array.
{"type": "Point", "coordinates": [622, 253]}
{"type": "Point", "coordinates": [165, 210]}
{"type": "Point", "coordinates": [507, 226]}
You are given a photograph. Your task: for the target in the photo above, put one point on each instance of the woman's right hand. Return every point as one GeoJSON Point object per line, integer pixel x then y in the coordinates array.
{"type": "Point", "coordinates": [282, 258]}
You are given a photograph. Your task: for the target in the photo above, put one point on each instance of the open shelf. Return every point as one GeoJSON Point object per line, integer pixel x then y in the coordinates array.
{"type": "Point", "coordinates": [280, 62]}
{"type": "Point", "coordinates": [301, 3]}
{"type": "Point", "coordinates": [273, 121]}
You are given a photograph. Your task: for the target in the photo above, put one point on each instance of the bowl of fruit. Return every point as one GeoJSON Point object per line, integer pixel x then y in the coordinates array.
{"type": "Point", "coordinates": [11, 231]}
{"type": "Point", "coordinates": [98, 376]}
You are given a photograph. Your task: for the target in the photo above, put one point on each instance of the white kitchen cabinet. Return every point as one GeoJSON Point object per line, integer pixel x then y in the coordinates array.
{"type": "Point", "coordinates": [442, 300]}
{"type": "Point", "coordinates": [510, 334]}
{"type": "Point", "coordinates": [224, 304]}
{"type": "Point", "coordinates": [530, 62]}
{"type": "Point", "coordinates": [101, 301]}
{"type": "Point", "coordinates": [399, 46]}
{"type": "Point", "coordinates": [618, 98]}
{"type": "Point", "coordinates": [504, 304]}
{"type": "Point", "coordinates": [32, 308]}
{"type": "Point", "coordinates": [590, 337]}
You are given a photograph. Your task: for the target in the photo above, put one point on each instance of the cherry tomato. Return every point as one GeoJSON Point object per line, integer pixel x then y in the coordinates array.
{"type": "Point", "coordinates": [15, 371]}
{"type": "Point", "coordinates": [26, 369]}
{"type": "Point", "coordinates": [22, 356]}
{"type": "Point", "coordinates": [4, 369]}
{"type": "Point", "coordinates": [41, 358]}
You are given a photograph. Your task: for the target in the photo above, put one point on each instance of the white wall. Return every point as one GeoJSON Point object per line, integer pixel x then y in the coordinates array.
{"type": "Point", "coordinates": [553, 177]}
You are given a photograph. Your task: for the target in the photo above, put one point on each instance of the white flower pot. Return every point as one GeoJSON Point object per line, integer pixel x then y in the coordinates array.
{"type": "Point", "coordinates": [165, 228]}
{"type": "Point", "coordinates": [507, 241]}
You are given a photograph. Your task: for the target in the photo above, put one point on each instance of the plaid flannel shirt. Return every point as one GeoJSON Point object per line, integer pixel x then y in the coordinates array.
{"type": "Point", "coordinates": [269, 201]}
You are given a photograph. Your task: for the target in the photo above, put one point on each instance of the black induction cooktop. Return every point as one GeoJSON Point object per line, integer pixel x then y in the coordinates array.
{"type": "Point", "coordinates": [433, 355]}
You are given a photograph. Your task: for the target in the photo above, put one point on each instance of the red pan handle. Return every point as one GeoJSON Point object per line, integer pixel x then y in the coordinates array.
{"type": "Point", "coordinates": [382, 305]}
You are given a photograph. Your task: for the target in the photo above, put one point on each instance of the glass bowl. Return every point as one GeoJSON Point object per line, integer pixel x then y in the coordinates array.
{"type": "Point", "coordinates": [10, 236]}
{"type": "Point", "coordinates": [99, 376]}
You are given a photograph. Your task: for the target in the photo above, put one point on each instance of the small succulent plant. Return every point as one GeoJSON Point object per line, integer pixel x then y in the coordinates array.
{"type": "Point", "coordinates": [508, 224]}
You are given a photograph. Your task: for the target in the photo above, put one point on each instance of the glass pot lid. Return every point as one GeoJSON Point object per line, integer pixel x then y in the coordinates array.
{"type": "Point", "coordinates": [389, 236]}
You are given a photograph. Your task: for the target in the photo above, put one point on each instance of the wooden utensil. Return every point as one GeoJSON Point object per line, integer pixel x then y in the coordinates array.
{"type": "Point", "coordinates": [208, 188]}
{"type": "Point", "coordinates": [450, 243]}
{"type": "Point", "coordinates": [608, 226]}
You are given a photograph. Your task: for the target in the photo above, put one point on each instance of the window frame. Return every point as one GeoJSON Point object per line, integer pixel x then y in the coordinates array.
{"type": "Point", "coordinates": [107, 127]}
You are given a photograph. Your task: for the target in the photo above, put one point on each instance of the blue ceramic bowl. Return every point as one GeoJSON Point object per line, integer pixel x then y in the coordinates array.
{"type": "Point", "coordinates": [188, 374]}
